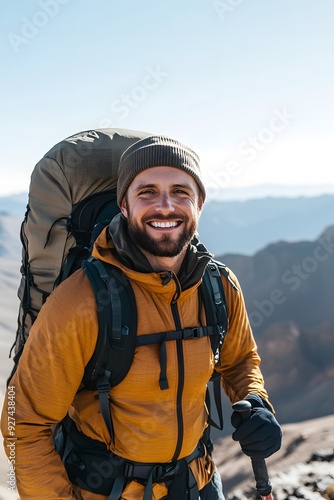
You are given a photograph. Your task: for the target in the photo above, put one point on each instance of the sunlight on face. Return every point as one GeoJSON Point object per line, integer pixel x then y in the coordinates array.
{"type": "Point", "coordinates": [162, 206]}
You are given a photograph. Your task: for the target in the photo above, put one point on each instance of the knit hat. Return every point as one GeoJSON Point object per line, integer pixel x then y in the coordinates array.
{"type": "Point", "coordinates": [156, 151]}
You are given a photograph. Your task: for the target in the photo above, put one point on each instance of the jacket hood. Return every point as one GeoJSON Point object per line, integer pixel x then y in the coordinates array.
{"type": "Point", "coordinates": [114, 245]}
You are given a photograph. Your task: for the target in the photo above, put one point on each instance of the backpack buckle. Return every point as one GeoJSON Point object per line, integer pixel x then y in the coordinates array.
{"type": "Point", "coordinates": [103, 384]}
{"type": "Point", "coordinates": [193, 333]}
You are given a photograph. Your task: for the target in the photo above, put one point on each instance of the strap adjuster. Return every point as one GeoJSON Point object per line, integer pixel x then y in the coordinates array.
{"type": "Point", "coordinates": [103, 384]}
{"type": "Point", "coordinates": [196, 332]}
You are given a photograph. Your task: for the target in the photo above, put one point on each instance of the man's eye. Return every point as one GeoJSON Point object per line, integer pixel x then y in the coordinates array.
{"type": "Point", "coordinates": [146, 191]}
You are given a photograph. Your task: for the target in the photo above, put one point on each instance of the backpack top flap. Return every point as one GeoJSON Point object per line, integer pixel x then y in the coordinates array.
{"type": "Point", "coordinates": [74, 169]}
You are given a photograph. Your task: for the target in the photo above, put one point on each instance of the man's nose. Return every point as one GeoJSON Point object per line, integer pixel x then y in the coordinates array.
{"type": "Point", "coordinates": [165, 203]}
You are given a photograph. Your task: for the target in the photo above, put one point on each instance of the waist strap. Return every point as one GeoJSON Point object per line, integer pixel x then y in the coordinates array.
{"type": "Point", "coordinates": [161, 471]}
{"type": "Point", "coordinates": [84, 457]}
{"type": "Point", "coordinates": [176, 475]}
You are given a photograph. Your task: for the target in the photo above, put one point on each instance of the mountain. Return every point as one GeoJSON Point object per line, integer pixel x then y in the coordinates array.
{"type": "Point", "coordinates": [14, 204]}
{"type": "Point", "coordinates": [288, 281]}
{"type": "Point", "coordinates": [288, 290]}
{"type": "Point", "coordinates": [247, 226]}
{"type": "Point", "coordinates": [10, 245]}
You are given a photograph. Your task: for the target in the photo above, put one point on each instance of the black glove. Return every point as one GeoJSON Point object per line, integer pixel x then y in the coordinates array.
{"type": "Point", "coordinates": [260, 435]}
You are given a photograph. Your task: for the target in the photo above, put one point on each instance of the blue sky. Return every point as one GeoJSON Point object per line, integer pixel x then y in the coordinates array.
{"type": "Point", "coordinates": [247, 84]}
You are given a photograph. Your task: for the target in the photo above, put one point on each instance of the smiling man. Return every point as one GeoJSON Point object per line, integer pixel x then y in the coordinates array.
{"type": "Point", "coordinates": [153, 443]}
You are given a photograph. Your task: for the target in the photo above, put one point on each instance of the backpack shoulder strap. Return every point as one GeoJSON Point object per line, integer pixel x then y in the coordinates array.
{"type": "Point", "coordinates": [117, 315]}
{"type": "Point", "coordinates": [214, 300]}
{"type": "Point", "coordinates": [116, 342]}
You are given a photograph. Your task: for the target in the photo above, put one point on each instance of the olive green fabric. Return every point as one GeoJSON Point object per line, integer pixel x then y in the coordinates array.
{"type": "Point", "coordinates": [77, 167]}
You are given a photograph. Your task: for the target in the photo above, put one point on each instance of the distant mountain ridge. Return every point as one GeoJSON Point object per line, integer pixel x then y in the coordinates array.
{"type": "Point", "coordinates": [243, 227]}
{"type": "Point", "coordinates": [14, 204]}
{"type": "Point", "coordinates": [247, 226]}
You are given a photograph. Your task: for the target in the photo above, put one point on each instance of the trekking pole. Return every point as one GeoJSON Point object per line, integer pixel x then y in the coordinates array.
{"type": "Point", "coordinates": [263, 484]}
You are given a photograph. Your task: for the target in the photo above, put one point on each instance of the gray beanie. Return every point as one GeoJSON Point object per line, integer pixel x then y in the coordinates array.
{"type": "Point", "coordinates": [156, 151]}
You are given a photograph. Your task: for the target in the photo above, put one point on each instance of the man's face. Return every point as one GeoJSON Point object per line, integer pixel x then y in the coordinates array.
{"type": "Point", "coordinates": [162, 205]}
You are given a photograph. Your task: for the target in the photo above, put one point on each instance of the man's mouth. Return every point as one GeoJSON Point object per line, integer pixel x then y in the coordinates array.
{"type": "Point", "coordinates": [164, 224]}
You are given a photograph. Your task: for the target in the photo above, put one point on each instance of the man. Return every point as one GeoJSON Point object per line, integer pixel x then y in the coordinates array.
{"type": "Point", "coordinates": [157, 424]}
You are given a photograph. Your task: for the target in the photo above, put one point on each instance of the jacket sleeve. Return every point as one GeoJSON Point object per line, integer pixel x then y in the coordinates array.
{"type": "Point", "coordinates": [239, 361]}
{"type": "Point", "coordinates": [48, 376]}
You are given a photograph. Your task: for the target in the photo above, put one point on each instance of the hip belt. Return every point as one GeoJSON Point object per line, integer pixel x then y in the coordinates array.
{"type": "Point", "coordinates": [92, 467]}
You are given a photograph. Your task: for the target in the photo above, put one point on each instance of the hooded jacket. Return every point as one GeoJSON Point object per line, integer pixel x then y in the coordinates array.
{"type": "Point", "coordinates": [150, 424]}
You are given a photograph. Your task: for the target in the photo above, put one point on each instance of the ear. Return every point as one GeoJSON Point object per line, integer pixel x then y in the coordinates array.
{"type": "Point", "coordinates": [200, 203]}
{"type": "Point", "coordinates": [123, 207]}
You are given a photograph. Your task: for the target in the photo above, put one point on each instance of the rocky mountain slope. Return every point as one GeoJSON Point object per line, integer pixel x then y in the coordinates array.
{"type": "Point", "coordinates": [289, 290]}
{"type": "Point", "coordinates": [303, 468]}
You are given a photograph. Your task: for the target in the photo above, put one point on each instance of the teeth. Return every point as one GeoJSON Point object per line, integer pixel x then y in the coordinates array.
{"type": "Point", "coordinates": [164, 224]}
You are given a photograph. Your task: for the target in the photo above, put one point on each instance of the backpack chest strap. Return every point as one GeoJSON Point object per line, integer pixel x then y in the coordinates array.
{"type": "Point", "coordinates": [195, 332]}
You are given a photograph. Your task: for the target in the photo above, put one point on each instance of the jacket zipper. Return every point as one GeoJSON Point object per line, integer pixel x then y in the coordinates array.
{"type": "Point", "coordinates": [180, 362]}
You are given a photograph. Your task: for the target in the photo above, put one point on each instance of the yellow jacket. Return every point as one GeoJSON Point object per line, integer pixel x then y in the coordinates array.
{"type": "Point", "coordinates": [146, 420]}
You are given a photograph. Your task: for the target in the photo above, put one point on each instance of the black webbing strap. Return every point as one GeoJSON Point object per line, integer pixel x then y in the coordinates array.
{"type": "Point", "coordinates": [110, 348]}
{"type": "Point", "coordinates": [213, 296]}
{"type": "Point", "coordinates": [216, 386]}
{"type": "Point", "coordinates": [117, 488]}
{"type": "Point", "coordinates": [163, 381]}
{"type": "Point", "coordinates": [177, 475]}
{"type": "Point", "coordinates": [195, 332]}
{"type": "Point", "coordinates": [115, 300]}
{"type": "Point", "coordinates": [218, 293]}
{"type": "Point", "coordinates": [103, 386]}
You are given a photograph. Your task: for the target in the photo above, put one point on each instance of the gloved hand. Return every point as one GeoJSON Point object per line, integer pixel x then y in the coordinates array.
{"type": "Point", "coordinates": [260, 435]}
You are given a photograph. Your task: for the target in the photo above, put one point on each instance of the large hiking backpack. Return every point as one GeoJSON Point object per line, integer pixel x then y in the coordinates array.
{"type": "Point", "coordinates": [72, 196]}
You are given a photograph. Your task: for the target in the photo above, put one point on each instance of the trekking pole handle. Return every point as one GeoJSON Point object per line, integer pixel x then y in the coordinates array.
{"type": "Point", "coordinates": [263, 484]}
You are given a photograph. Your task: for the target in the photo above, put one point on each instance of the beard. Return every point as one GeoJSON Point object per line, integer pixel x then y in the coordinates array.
{"type": "Point", "coordinates": [166, 245]}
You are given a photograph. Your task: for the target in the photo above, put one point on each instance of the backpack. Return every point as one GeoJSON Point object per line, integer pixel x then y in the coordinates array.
{"type": "Point", "coordinates": [72, 196]}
